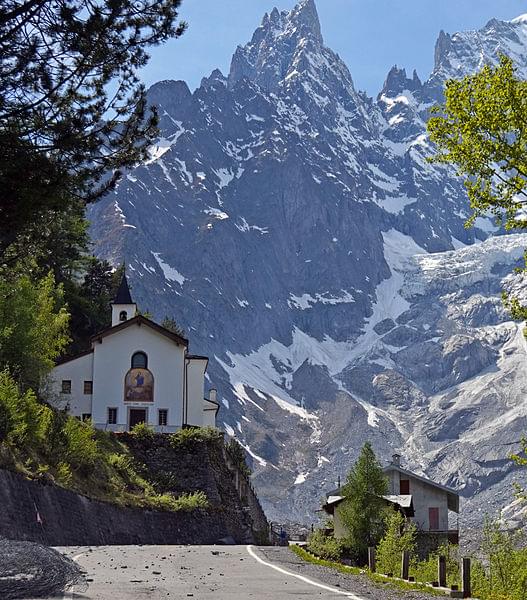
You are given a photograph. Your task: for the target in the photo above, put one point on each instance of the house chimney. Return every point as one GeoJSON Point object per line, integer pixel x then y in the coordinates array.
{"type": "Point", "coordinates": [396, 460]}
{"type": "Point", "coordinates": [213, 395]}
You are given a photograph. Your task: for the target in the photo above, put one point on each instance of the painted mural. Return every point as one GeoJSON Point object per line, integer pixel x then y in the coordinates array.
{"type": "Point", "coordinates": [139, 386]}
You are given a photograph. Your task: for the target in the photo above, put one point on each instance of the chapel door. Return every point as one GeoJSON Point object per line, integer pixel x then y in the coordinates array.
{"type": "Point", "coordinates": [137, 415]}
{"type": "Point", "coordinates": [433, 518]}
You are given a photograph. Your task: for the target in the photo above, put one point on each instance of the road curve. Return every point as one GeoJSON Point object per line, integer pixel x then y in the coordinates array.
{"type": "Point", "coordinates": [198, 572]}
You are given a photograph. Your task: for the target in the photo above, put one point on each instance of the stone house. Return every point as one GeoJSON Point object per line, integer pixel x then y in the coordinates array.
{"type": "Point", "coordinates": [135, 371]}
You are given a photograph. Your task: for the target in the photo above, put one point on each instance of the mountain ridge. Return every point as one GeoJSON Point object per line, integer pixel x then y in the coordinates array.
{"type": "Point", "coordinates": [278, 219]}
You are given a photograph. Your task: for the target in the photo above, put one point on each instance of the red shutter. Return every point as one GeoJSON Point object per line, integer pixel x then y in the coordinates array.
{"type": "Point", "coordinates": [404, 487]}
{"type": "Point", "coordinates": [433, 518]}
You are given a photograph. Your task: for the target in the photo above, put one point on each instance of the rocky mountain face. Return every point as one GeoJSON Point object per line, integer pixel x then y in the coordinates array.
{"type": "Point", "coordinates": [294, 227]}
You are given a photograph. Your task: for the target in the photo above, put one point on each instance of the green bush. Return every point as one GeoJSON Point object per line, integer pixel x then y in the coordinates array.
{"type": "Point", "coordinates": [81, 448]}
{"type": "Point", "coordinates": [23, 420]}
{"type": "Point", "coordinates": [143, 431]}
{"type": "Point", "coordinates": [188, 437]}
{"type": "Point", "coordinates": [192, 501]}
{"type": "Point", "coordinates": [325, 546]}
{"type": "Point", "coordinates": [399, 537]}
{"type": "Point", "coordinates": [426, 571]}
{"type": "Point", "coordinates": [505, 575]}
{"type": "Point", "coordinates": [238, 456]}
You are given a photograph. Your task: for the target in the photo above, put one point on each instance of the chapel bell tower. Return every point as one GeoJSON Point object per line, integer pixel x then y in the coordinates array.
{"type": "Point", "coordinates": [123, 307]}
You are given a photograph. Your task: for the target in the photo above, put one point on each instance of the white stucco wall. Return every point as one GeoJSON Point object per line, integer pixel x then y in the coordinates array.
{"type": "Point", "coordinates": [209, 415]}
{"type": "Point", "coordinates": [112, 360]}
{"type": "Point", "coordinates": [77, 371]}
{"type": "Point", "coordinates": [196, 391]}
{"type": "Point", "coordinates": [117, 309]}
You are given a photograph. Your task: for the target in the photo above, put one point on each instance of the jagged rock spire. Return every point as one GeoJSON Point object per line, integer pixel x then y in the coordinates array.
{"type": "Point", "coordinates": [268, 56]}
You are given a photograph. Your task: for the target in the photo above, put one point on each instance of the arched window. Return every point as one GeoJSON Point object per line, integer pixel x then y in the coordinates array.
{"type": "Point", "coordinates": [139, 361]}
{"type": "Point", "coordinates": [123, 316]}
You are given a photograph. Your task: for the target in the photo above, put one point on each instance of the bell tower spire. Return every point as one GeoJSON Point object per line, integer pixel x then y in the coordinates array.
{"type": "Point", "coordinates": [123, 307]}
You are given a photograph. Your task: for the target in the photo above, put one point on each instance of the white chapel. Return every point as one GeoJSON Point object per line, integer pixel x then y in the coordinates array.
{"type": "Point", "coordinates": [135, 372]}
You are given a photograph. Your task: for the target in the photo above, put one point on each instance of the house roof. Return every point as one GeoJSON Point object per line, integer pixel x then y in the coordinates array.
{"type": "Point", "coordinates": [123, 295]}
{"type": "Point", "coordinates": [404, 501]}
{"type": "Point", "coordinates": [140, 320]}
{"type": "Point", "coordinates": [452, 495]}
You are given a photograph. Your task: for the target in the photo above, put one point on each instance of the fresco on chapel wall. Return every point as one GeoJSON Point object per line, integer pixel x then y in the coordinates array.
{"type": "Point", "coordinates": [139, 386]}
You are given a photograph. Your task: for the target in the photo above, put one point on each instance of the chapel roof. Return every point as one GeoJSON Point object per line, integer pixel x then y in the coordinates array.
{"type": "Point", "coordinates": [140, 320]}
{"type": "Point", "coordinates": [123, 295]}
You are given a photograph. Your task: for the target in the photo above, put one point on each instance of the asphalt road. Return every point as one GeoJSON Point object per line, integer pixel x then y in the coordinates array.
{"type": "Point", "coordinates": [199, 572]}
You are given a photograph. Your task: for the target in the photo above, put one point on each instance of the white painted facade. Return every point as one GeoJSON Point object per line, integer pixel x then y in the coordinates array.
{"type": "Point", "coordinates": [92, 385]}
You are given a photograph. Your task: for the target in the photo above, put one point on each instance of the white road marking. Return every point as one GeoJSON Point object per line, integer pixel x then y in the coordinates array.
{"type": "Point", "coordinates": [250, 550]}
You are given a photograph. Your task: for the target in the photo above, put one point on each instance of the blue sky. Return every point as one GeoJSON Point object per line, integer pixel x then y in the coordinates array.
{"type": "Point", "coordinates": [370, 35]}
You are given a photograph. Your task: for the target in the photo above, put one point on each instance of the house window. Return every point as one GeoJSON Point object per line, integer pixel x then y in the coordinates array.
{"type": "Point", "coordinates": [88, 387]}
{"type": "Point", "coordinates": [139, 361]}
{"type": "Point", "coordinates": [112, 416]}
{"type": "Point", "coordinates": [86, 416]}
{"type": "Point", "coordinates": [404, 487]}
{"type": "Point", "coordinates": [66, 386]}
{"type": "Point", "coordinates": [123, 316]}
{"type": "Point", "coordinates": [433, 518]}
{"type": "Point", "coordinates": [163, 417]}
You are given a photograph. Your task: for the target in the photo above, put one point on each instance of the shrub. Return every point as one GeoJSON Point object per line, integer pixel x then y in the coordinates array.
{"type": "Point", "coordinates": [325, 546]}
{"type": "Point", "coordinates": [505, 577]}
{"type": "Point", "coordinates": [426, 570]}
{"type": "Point", "coordinates": [188, 437]}
{"type": "Point", "coordinates": [399, 537]}
{"type": "Point", "coordinates": [64, 474]}
{"type": "Point", "coordinates": [23, 420]}
{"type": "Point", "coordinates": [81, 448]}
{"type": "Point", "coordinates": [238, 456]}
{"type": "Point", "coordinates": [192, 501]}
{"type": "Point", "coordinates": [143, 431]}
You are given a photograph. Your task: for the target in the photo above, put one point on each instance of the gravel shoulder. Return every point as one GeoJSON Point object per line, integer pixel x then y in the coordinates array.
{"type": "Point", "coordinates": [360, 585]}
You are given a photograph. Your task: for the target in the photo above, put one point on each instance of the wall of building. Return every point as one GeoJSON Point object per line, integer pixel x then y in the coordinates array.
{"type": "Point", "coordinates": [424, 496]}
{"type": "Point", "coordinates": [77, 371]}
{"type": "Point", "coordinates": [196, 391]}
{"type": "Point", "coordinates": [112, 360]}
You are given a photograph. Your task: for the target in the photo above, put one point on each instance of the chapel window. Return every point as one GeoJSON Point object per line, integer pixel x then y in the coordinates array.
{"type": "Point", "coordinates": [66, 386]}
{"type": "Point", "coordinates": [139, 361]}
{"type": "Point", "coordinates": [112, 416]}
{"type": "Point", "coordinates": [88, 387]}
{"type": "Point", "coordinates": [163, 417]}
{"type": "Point", "coordinates": [123, 316]}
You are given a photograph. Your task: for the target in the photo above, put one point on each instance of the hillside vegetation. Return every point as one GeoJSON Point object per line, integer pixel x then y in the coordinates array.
{"type": "Point", "coordinates": [42, 443]}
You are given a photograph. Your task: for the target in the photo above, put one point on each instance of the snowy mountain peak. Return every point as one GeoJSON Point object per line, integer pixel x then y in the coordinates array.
{"type": "Point", "coordinates": [467, 52]}
{"type": "Point", "coordinates": [267, 58]}
{"type": "Point", "coordinates": [521, 19]}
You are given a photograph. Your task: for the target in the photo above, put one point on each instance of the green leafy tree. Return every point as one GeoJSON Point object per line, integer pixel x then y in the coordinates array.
{"type": "Point", "coordinates": [362, 512]}
{"type": "Point", "coordinates": [33, 327]}
{"type": "Point", "coordinates": [400, 536]}
{"type": "Point", "coordinates": [72, 108]}
{"type": "Point", "coordinates": [481, 129]}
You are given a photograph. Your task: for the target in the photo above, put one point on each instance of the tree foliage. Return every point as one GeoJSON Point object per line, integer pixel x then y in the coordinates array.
{"type": "Point", "coordinates": [33, 326]}
{"type": "Point", "coordinates": [400, 536]}
{"type": "Point", "coordinates": [482, 130]}
{"type": "Point", "coordinates": [72, 109]}
{"type": "Point", "coordinates": [362, 512]}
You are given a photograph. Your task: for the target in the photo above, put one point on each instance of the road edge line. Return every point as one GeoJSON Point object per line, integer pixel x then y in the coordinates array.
{"type": "Point", "coordinates": [252, 553]}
